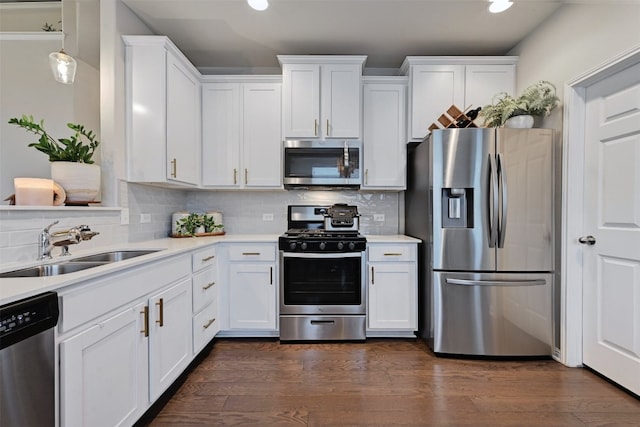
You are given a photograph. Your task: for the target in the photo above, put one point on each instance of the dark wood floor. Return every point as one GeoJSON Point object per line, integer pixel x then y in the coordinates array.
{"type": "Point", "coordinates": [387, 383]}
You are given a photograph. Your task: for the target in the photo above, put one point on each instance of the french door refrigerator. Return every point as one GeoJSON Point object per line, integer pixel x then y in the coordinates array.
{"type": "Point", "coordinates": [482, 201]}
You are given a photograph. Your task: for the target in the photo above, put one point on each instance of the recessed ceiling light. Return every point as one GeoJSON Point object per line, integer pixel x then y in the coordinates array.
{"type": "Point", "coordinates": [498, 6]}
{"type": "Point", "coordinates": [258, 4]}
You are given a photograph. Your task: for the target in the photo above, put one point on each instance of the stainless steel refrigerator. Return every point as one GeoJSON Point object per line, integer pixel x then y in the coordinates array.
{"type": "Point", "coordinates": [482, 201]}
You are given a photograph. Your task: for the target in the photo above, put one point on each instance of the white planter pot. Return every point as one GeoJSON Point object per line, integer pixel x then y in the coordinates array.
{"type": "Point", "coordinates": [519, 122]}
{"type": "Point", "coordinates": [81, 181]}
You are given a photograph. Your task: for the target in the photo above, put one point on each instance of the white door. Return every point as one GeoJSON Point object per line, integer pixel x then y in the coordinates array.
{"type": "Point", "coordinates": [611, 262]}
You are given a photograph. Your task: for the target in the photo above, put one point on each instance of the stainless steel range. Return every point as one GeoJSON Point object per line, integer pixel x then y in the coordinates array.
{"type": "Point", "coordinates": [322, 290]}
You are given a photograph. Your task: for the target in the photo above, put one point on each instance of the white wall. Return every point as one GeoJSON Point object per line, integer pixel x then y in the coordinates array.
{"type": "Point", "coordinates": [574, 40]}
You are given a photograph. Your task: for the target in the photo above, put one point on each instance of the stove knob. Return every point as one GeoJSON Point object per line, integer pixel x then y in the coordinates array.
{"type": "Point", "coordinates": [292, 245]}
{"type": "Point", "coordinates": [303, 246]}
{"type": "Point", "coordinates": [340, 246]}
{"type": "Point", "coordinates": [352, 246]}
{"type": "Point", "coordinates": [322, 246]}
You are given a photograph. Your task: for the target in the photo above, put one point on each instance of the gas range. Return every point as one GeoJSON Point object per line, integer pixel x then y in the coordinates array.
{"type": "Point", "coordinates": [320, 240]}
{"type": "Point", "coordinates": [307, 232]}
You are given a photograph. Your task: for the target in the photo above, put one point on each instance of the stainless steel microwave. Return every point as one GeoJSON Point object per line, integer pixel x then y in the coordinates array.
{"type": "Point", "coordinates": [322, 164]}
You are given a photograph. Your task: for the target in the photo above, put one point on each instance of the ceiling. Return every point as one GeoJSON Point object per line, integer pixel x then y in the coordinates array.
{"type": "Point", "coordinates": [228, 33]}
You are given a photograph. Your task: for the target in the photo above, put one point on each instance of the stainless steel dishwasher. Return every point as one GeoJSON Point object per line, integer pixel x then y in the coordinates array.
{"type": "Point", "coordinates": [27, 357]}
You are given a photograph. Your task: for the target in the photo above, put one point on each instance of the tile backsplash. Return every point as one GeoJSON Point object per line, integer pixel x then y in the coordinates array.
{"type": "Point", "coordinates": [150, 208]}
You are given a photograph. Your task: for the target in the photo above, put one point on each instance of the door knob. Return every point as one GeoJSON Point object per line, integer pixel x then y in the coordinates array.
{"type": "Point", "coordinates": [587, 240]}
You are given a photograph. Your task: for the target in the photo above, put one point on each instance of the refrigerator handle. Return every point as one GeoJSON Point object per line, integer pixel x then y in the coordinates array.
{"type": "Point", "coordinates": [493, 202]}
{"type": "Point", "coordinates": [465, 282]}
{"type": "Point", "coordinates": [502, 228]}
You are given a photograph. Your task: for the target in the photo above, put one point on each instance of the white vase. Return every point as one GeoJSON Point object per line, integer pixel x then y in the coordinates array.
{"type": "Point", "coordinates": [523, 121]}
{"type": "Point", "coordinates": [81, 181]}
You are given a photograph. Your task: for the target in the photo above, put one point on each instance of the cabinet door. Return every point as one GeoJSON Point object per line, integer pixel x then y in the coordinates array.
{"type": "Point", "coordinates": [340, 101]}
{"type": "Point", "coordinates": [183, 123]}
{"type": "Point", "coordinates": [252, 295]}
{"type": "Point", "coordinates": [301, 100]}
{"type": "Point", "coordinates": [221, 134]}
{"type": "Point", "coordinates": [104, 372]}
{"type": "Point", "coordinates": [483, 82]}
{"type": "Point", "coordinates": [169, 336]}
{"type": "Point", "coordinates": [384, 136]}
{"type": "Point", "coordinates": [261, 135]}
{"type": "Point", "coordinates": [434, 88]}
{"type": "Point", "coordinates": [393, 295]}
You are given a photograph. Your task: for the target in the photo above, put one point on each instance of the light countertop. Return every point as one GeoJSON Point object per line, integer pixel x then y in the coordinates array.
{"type": "Point", "coordinates": [13, 289]}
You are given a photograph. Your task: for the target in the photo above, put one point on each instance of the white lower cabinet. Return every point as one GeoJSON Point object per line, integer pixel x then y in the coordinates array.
{"type": "Point", "coordinates": [252, 287]}
{"type": "Point", "coordinates": [392, 289]}
{"type": "Point", "coordinates": [104, 372]}
{"type": "Point", "coordinates": [169, 336]}
{"type": "Point", "coordinates": [123, 339]}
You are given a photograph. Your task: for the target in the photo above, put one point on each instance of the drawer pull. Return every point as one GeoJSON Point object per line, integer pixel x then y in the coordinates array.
{"type": "Point", "coordinates": [208, 285]}
{"type": "Point", "coordinates": [208, 258]}
{"type": "Point", "coordinates": [393, 254]}
{"type": "Point", "coordinates": [160, 305]}
{"type": "Point", "coordinates": [251, 253]}
{"type": "Point", "coordinates": [145, 322]}
{"type": "Point", "coordinates": [209, 323]}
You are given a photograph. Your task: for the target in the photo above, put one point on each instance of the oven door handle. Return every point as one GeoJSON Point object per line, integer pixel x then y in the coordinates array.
{"type": "Point", "coordinates": [322, 255]}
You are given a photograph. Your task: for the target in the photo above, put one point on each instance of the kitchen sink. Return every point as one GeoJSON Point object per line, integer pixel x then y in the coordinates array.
{"type": "Point", "coordinates": [51, 269]}
{"type": "Point", "coordinates": [114, 256]}
{"type": "Point", "coordinates": [77, 264]}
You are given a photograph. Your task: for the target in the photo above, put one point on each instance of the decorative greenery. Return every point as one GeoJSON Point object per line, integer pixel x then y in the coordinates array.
{"type": "Point", "coordinates": [49, 27]}
{"type": "Point", "coordinates": [189, 225]}
{"type": "Point", "coordinates": [70, 149]}
{"type": "Point", "coordinates": [537, 100]}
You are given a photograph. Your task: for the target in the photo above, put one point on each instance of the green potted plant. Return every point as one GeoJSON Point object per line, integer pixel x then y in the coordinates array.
{"type": "Point", "coordinates": [190, 225]}
{"type": "Point", "coordinates": [536, 100]}
{"type": "Point", "coordinates": [71, 158]}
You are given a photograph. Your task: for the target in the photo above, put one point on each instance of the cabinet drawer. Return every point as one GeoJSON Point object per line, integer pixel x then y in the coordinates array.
{"type": "Point", "coordinates": [254, 252]}
{"type": "Point", "coordinates": [97, 297]}
{"type": "Point", "coordinates": [205, 326]}
{"type": "Point", "coordinates": [204, 288]}
{"type": "Point", "coordinates": [203, 258]}
{"type": "Point", "coordinates": [399, 252]}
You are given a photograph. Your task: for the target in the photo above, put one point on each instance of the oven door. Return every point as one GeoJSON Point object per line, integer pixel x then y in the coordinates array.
{"type": "Point", "coordinates": [322, 283]}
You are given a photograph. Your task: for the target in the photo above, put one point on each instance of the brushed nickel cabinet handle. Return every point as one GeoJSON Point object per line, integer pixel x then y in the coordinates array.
{"type": "Point", "coordinates": [208, 258]}
{"type": "Point", "coordinates": [209, 323]}
{"type": "Point", "coordinates": [315, 127]}
{"type": "Point", "coordinates": [393, 254]}
{"type": "Point", "coordinates": [366, 176]}
{"type": "Point", "coordinates": [251, 253]}
{"type": "Point", "coordinates": [145, 322]}
{"type": "Point", "coordinates": [160, 305]}
{"type": "Point", "coordinates": [246, 176]}
{"type": "Point", "coordinates": [208, 285]}
{"type": "Point", "coordinates": [327, 127]}
{"type": "Point", "coordinates": [235, 176]}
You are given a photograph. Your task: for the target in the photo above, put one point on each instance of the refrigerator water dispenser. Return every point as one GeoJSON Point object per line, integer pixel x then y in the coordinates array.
{"type": "Point", "coordinates": [457, 208]}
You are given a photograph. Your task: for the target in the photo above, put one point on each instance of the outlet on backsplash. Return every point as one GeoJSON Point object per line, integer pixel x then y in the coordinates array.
{"type": "Point", "coordinates": [378, 217]}
{"type": "Point", "coordinates": [145, 218]}
{"type": "Point", "coordinates": [267, 217]}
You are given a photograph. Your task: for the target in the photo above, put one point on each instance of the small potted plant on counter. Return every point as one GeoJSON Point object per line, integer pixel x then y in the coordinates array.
{"type": "Point", "coordinates": [71, 158]}
{"type": "Point", "coordinates": [536, 100]}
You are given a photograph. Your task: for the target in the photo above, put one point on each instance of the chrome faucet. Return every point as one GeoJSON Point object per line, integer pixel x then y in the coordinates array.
{"type": "Point", "coordinates": [47, 241]}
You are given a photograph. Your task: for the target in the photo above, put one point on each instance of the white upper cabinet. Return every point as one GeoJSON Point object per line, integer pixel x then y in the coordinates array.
{"type": "Point", "coordinates": [321, 96]}
{"type": "Point", "coordinates": [162, 113]}
{"type": "Point", "coordinates": [436, 83]}
{"type": "Point", "coordinates": [241, 128]}
{"type": "Point", "coordinates": [384, 152]}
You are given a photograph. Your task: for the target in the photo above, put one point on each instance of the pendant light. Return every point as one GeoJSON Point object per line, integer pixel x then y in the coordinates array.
{"type": "Point", "coordinates": [63, 66]}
